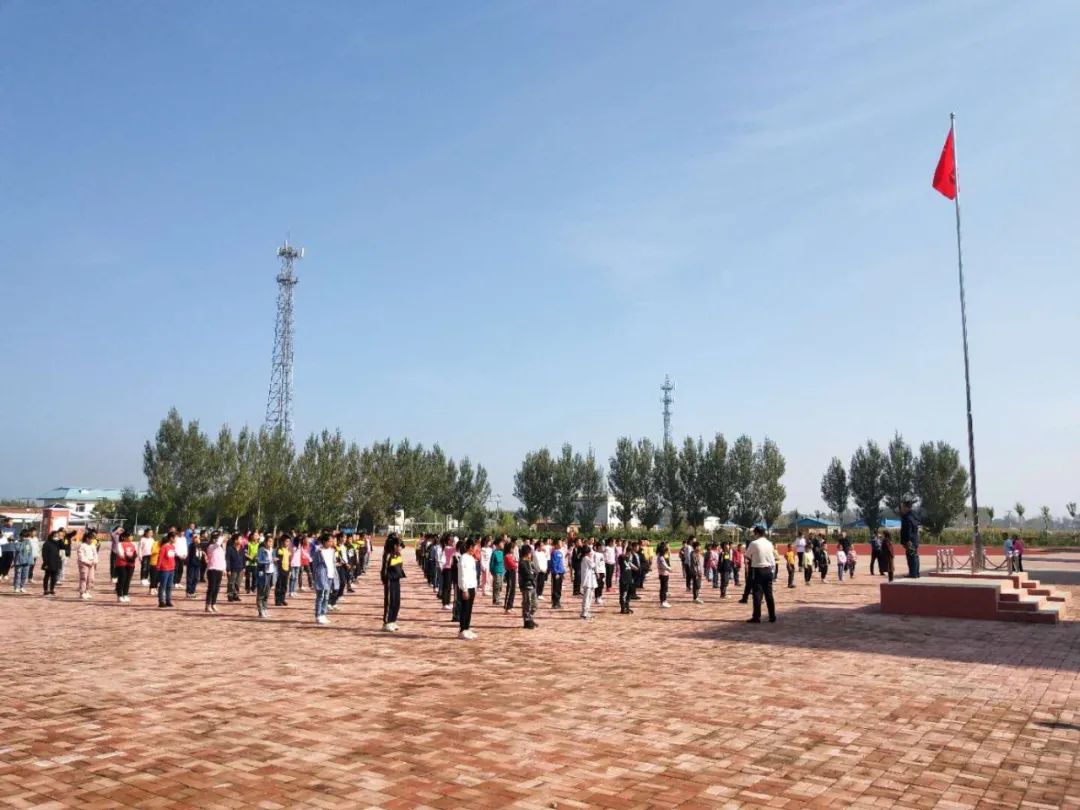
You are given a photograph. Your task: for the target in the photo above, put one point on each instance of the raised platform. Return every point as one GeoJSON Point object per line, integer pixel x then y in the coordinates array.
{"type": "Point", "coordinates": [986, 595]}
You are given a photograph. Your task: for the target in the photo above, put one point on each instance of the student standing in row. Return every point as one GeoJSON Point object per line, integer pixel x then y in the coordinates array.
{"type": "Point", "coordinates": [323, 571]}
{"type": "Point", "coordinates": [215, 570]}
{"type": "Point", "coordinates": [697, 571]}
{"type": "Point", "coordinates": [540, 563]}
{"type": "Point", "coordinates": [146, 546]}
{"type": "Point", "coordinates": [610, 561]}
{"type": "Point", "coordinates": [234, 568]}
{"type": "Point", "coordinates": [87, 556]}
{"type": "Point", "coordinates": [663, 571]}
{"type": "Point", "coordinates": [51, 561]}
{"type": "Point", "coordinates": [264, 577]}
{"type": "Point", "coordinates": [558, 573]}
{"type": "Point", "coordinates": [527, 584]}
{"type": "Point", "coordinates": [127, 556]}
{"type": "Point", "coordinates": [196, 559]}
{"type": "Point", "coordinates": [498, 572]}
{"type": "Point", "coordinates": [511, 563]}
{"type": "Point", "coordinates": [467, 584]}
{"type": "Point", "coordinates": [391, 573]}
{"type": "Point", "coordinates": [166, 569]}
{"type": "Point", "coordinates": [22, 560]}
{"type": "Point", "coordinates": [627, 571]}
{"type": "Point", "coordinates": [588, 581]}
{"type": "Point", "coordinates": [790, 559]}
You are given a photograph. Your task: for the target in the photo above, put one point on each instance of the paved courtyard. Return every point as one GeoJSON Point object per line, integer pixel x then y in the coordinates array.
{"type": "Point", "coordinates": [835, 705]}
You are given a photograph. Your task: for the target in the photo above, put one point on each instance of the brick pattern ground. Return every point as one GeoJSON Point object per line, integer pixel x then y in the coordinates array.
{"type": "Point", "coordinates": [836, 705]}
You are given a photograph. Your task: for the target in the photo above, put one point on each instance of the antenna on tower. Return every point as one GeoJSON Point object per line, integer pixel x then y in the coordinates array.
{"type": "Point", "coordinates": [668, 399]}
{"type": "Point", "coordinates": [279, 401]}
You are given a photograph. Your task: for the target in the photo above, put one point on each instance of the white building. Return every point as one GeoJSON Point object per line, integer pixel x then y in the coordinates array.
{"type": "Point", "coordinates": [608, 515]}
{"type": "Point", "coordinates": [80, 500]}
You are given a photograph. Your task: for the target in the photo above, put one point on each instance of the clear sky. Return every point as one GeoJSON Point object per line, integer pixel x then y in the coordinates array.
{"type": "Point", "coordinates": [519, 216]}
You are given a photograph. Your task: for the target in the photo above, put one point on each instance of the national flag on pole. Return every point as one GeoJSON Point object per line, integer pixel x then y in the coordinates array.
{"type": "Point", "coordinates": [945, 173]}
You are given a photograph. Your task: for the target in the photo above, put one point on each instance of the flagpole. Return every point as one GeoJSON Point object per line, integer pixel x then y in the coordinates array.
{"type": "Point", "coordinates": [978, 561]}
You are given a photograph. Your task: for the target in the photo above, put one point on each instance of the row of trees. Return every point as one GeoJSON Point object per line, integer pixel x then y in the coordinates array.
{"type": "Point", "coordinates": [877, 479]}
{"type": "Point", "coordinates": [258, 478]}
{"type": "Point", "coordinates": [689, 482]}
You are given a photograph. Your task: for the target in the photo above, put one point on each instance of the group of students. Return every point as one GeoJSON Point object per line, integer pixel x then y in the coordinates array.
{"type": "Point", "coordinates": [457, 570]}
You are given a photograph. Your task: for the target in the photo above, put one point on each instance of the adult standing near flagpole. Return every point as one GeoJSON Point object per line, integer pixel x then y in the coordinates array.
{"type": "Point", "coordinates": [946, 181]}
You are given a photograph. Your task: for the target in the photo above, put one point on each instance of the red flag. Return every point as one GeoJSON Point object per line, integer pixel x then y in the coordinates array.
{"type": "Point", "coordinates": [945, 173]}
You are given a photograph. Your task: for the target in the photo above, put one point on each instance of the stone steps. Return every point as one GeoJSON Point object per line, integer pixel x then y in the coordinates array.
{"type": "Point", "coordinates": [991, 595]}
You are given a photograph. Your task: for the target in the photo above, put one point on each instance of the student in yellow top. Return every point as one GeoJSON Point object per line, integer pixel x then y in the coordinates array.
{"type": "Point", "coordinates": [154, 549]}
{"type": "Point", "coordinates": [282, 553]}
{"type": "Point", "coordinates": [789, 558]}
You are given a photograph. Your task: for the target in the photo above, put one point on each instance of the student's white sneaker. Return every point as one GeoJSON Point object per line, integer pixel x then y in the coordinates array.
{"type": "Point", "coordinates": [464, 634]}
{"type": "Point", "coordinates": [145, 583]}
{"type": "Point", "coordinates": [472, 635]}
{"type": "Point", "coordinates": [447, 607]}
{"type": "Point", "coordinates": [665, 604]}
{"type": "Point", "coordinates": [699, 601]}
{"type": "Point", "coordinates": [388, 628]}
{"type": "Point", "coordinates": [320, 620]}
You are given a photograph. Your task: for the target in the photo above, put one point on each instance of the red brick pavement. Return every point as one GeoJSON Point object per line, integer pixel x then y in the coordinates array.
{"type": "Point", "coordinates": [836, 705]}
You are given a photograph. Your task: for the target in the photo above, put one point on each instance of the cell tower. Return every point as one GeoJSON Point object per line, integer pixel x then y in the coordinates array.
{"type": "Point", "coordinates": [279, 402]}
{"type": "Point", "coordinates": [669, 399]}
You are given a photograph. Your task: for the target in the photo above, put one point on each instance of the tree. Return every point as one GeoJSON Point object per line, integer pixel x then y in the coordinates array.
{"type": "Point", "coordinates": [274, 477]}
{"type": "Point", "coordinates": [593, 492]}
{"type": "Point", "coordinates": [769, 493]}
{"type": "Point", "coordinates": [1019, 507]}
{"type": "Point", "coordinates": [940, 484]}
{"type": "Point", "coordinates": [130, 508]}
{"type": "Point", "coordinates": [161, 465]}
{"type": "Point", "coordinates": [740, 469]}
{"type": "Point", "coordinates": [105, 509]}
{"type": "Point", "coordinates": [650, 507]}
{"type": "Point", "coordinates": [715, 479]}
{"type": "Point", "coordinates": [1073, 513]}
{"type": "Point", "coordinates": [866, 480]}
{"type": "Point", "coordinates": [177, 469]}
{"type": "Point", "coordinates": [1047, 519]}
{"type": "Point", "coordinates": [623, 481]}
{"type": "Point", "coordinates": [990, 515]}
{"type": "Point", "coordinates": [442, 475]}
{"type": "Point", "coordinates": [321, 481]}
{"type": "Point", "coordinates": [898, 477]}
{"type": "Point", "coordinates": [566, 480]}
{"type": "Point", "coordinates": [668, 481]}
{"type": "Point", "coordinates": [691, 470]}
{"type": "Point", "coordinates": [223, 463]}
{"type": "Point", "coordinates": [240, 493]}
{"type": "Point", "coordinates": [534, 485]}
{"type": "Point", "coordinates": [470, 491]}
{"type": "Point", "coordinates": [834, 488]}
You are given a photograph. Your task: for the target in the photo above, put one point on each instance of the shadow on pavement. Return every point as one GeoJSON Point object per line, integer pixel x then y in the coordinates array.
{"type": "Point", "coordinates": [867, 630]}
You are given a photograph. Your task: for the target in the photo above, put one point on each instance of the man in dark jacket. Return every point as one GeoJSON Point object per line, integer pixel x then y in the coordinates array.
{"type": "Point", "coordinates": [909, 538]}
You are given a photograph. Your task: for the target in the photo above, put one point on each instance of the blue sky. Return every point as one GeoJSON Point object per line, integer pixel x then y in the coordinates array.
{"type": "Point", "coordinates": [519, 216]}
